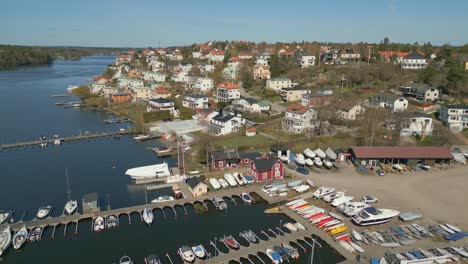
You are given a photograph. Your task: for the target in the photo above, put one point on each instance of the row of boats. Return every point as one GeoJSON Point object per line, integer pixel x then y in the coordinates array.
{"type": "Point", "coordinates": [43, 212]}
{"type": "Point", "coordinates": [282, 189]}
{"type": "Point", "coordinates": [318, 158]}
{"type": "Point", "coordinates": [231, 180]}
{"type": "Point", "coordinates": [434, 255]}
{"type": "Point", "coordinates": [19, 237]}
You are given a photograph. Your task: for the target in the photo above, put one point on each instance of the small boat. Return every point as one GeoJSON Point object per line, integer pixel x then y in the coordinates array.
{"type": "Point", "coordinates": [273, 255]}
{"type": "Point", "coordinates": [199, 251]}
{"type": "Point", "coordinates": [311, 183]}
{"type": "Point", "coordinates": [112, 221]}
{"type": "Point", "coordinates": [300, 159]}
{"type": "Point", "coordinates": [391, 244]}
{"type": "Point", "coordinates": [44, 212]}
{"type": "Point", "coordinates": [383, 261]}
{"type": "Point", "coordinates": [239, 179]}
{"type": "Point", "coordinates": [214, 182]}
{"type": "Point", "coordinates": [327, 164]}
{"type": "Point", "coordinates": [284, 255]}
{"type": "Point", "coordinates": [295, 183]}
{"type": "Point", "coordinates": [219, 203]}
{"type": "Point", "coordinates": [125, 260]}
{"type": "Point", "coordinates": [20, 237]}
{"type": "Point", "coordinates": [98, 224]}
{"type": "Point", "coordinates": [223, 183]}
{"type": "Point", "coordinates": [152, 259]}
{"type": "Point", "coordinates": [299, 226]}
{"type": "Point", "coordinates": [320, 153]}
{"type": "Point", "coordinates": [186, 254]}
{"type": "Point", "coordinates": [332, 196]}
{"type": "Point", "coordinates": [148, 216]}
{"type": "Point", "coordinates": [374, 260]}
{"type": "Point", "coordinates": [291, 227]}
{"type": "Point", "coordinates": [446, 229]}
{"type": "Point", "coordinates": [302, 188]}
{"type": "Point", "coordinates": [457, 236]}
{"type": "Point", "coordinates": [230, 179]}
{"type": "Point", "coordinates": [293, 252]}
{"type": "Point", "coordinates": [454, 228]}
{"type": "Point", "coordinates": [249, 236]}
{"type": "Point", "coordinates": [341, 200]}
{"type": "Point", "coordinates": [284, 158]}
{"type": "Point", "coordinates": [71, 206]}
{"type": "Point", "coordinates": [162, 199]}
{"type": "Point", "coordinates": [356, 235]}
{"type": "Point", "coordinates": [322, 191]}
{"type": "Point", "coordinates": [230, 242]}
{"type": "Point", "coordinates": [318, 162]}
{"type": "Point", "coordinates": [5, 239]}
{"type": "Point", "coordinates": [309, 153]}
{"type": "Point", "coordinates": [246, 198]}
{"type": "Point", "coordinates": [331, 155]}
{"type": "Point", "coordinates": [35, 234]}
{"type": "Point", "coordinates": [309, 162]}
{"type": "Point", "coordinates": [346, 245]}
{"type": "Point", "coordinates": [249, 179]}
{"type": "Point", "coordinates": [4, 216]}
{"type": "Point", "coordinates": [141, 137]}
{"type": "Point", "coordinates": [356, 247]}
{"type": "Point", "coordinates": [162, 150]}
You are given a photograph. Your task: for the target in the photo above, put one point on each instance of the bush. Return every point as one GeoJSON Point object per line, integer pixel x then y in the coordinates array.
{"type": "Point", "coordinates": [157, 116]}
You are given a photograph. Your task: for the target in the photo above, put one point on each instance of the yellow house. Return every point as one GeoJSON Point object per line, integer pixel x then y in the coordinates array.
{"type": "Point", "coordinates": [196, 186]}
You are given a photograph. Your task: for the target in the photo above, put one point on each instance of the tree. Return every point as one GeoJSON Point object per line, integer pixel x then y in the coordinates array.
{"type": "Point", "coordinates": [428, 75]}
{"type": "Point", "coordinates": [217, 74]}
{"type": "Point", "coordinates": [456, 80]}
{"type": "Point", "coordinates": [275, 66]}
{"type": "Point", "coordinates": [372, 120]}
{"type": "Point", "coordinates": [195, 71]}
{"type": "Point", "coordinates": [246, 77]}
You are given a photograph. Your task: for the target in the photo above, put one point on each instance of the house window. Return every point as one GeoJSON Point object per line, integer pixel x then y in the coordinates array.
{"type": "Point", "coordinates": [220, 163]}
{"type": "Point", "coordinates": [264, 175]}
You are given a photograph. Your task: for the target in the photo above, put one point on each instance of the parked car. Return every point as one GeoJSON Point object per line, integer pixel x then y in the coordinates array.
{"type": "Point", "coordinates": [302, 170]}
{"type": "Point", "coordinates": [380, 172]}
{"type": "Point", "coordinates": [369, 199]}
{"type": "Point", "coordinates": [424, 166]}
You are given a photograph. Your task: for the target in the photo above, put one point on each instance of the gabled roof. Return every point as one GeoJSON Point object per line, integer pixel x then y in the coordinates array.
{"type": "Point", "coordinates": [161, 90]}
{"type": "Point", "coordinates": [160, 100]}
{"type": "Point", "coordinates": [228, 85]}
{"type": "Point", "coordinates": [457, 106]}
{"type": "Point", "coordinates": [415, 55]}
{"type": "Point", "coordinates": [193, 182]}
{"type": "Point", "coordinates": [250, 100]}
{"type": "Point", "coordinates": [250, 155]}
{"type": "Point", "coordinates": [297, 109]}
{"type": "Point", "coordinates": [402, 152]}
{"type": "Point", "coordinates": [406, 114]}
{"type": "Point", "coordinates": [264, 164]}
{"type": "Point", "coordinates": [225, 154]}
{"type": "Point", "coordinates": [296, 88]}
{"type": "Point", "coordinates": [223, 118]}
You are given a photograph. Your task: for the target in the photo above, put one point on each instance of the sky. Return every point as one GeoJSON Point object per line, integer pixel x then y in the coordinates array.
{"type": "Point", "coordinates": [145, 23]}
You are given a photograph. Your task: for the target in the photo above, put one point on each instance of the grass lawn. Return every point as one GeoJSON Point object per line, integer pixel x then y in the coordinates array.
{"type": "Point", "coordinates": [130, 110]}
{"type": "Point", "coordinates": [241, 141]}
{"type": "Point", "coordinates": [465, 133]}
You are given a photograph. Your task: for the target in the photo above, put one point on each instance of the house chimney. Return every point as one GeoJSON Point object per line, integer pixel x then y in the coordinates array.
{"type": "Point", "coordinates": [220, 111]}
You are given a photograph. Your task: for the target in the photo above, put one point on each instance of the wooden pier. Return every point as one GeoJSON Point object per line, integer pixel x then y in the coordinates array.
{"type": "Point", "coordinates": [64, 139]}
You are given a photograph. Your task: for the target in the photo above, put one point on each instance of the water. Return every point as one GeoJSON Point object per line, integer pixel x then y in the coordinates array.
{"type": "Point", "coordinates": [33, 176]}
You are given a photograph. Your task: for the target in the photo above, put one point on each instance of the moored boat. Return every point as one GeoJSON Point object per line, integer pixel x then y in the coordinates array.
{"type": "Point", "coordinates": [249, 236]}
{"type": "Point", "coordinates": [152, 259]}
{"type": "Point", "coordinates": [44, 212]}
{"type": "Point", "coordinates": [20, 237]}
{"type": "Point", "coordinates": [246, 198]}
{"type": "Point", "coordinates": [199, 251]}
{"type": "Point", "coordinates": [162, 199]}
{"type": "Point", "coordinates": [35, 234]}
{"type": "Point", "coordinates": [219, 203]}
{"type": "Point", "coordinates": [4, 216]}
{"type": "Point", "coordinates": [112, 221]}
{"type": "Point", "coordinates": [98, 224]}
{"type": "Point", "coordinates": [309, 153]}
{"type": "Point", "coordinates": [320, 153]}
{"type": "Point", "coordinates": [5, 238]}
{"type": "Point", "coordinates": [293, 252]}
{"type": "Point", "coordinates": [239, 178]}
{"type": "Point", "coordinates": [318, 162]}
{"type": "Point", "coordinates": [230, 242]}
{"type": "Point", "coordinates": [148, 216]}
{"type": "Point", "coordinates": [291, 227]}
{"type": "Point", "coordinates": [230, 179]}
{"type": "Point", "coordinates": [273, 255]}
{"type": "Point", "coordinates": [149, 172]}
{"type": "Point", "coordinates": [327, 164]}
{"type": "Point", "coordinates": [186, 254]}
{"type": "Point", "coordinates": [125, 260]}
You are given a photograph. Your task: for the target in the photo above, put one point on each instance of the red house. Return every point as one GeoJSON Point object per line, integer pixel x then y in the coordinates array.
{"type": "Point", "coordinates": [266, 169]}
{"type": "Point", "coordinates": [224, 159]}
{"type": "Point", "coordinates": [246, 158]}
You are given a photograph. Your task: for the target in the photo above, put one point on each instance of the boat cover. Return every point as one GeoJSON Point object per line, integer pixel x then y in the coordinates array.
{"type": "Point", "coordinates": [457, 236]}
{"type": "Point", "coordinates": [411, 216]}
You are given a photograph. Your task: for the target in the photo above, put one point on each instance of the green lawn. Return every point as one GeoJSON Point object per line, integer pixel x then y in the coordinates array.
{"type": "Point", "coordinates": [465, 133]}
{"type": "Point", "coordinates": [241, 141]}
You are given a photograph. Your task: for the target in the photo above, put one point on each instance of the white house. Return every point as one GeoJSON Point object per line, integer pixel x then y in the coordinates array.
{"type": "Point", "coordinates": [298, 119]}
{"type": "Point", "coordinates": [253, 105]}
{"type": "Point", "coordinates": [206, 68]}
{"type": "Point", "coordinates": [230, 72]}
{"type": "Point", "coordinates": [234, 62]}
{"type": "Point", "coordinates": [154, 76]}
{"type": "Point", "coordinates": [307, 61]}
{"type": "Point", "coordinates": [96, 88]}
{"type": "Point", "coordinates": [156, 65]}
{"type": "Point", "coordinates": [414, 61]}
{"type": "Point", "coordinates": [196, 54]}
{"type": "Point", "coordinates": [130, 82]}
{"type": "Point", "coordinates": [421, 92]}
{"type": "Point", "coordinates": [412, 124]}
{"type": "Point", "coordinates": [278, 83]}
{"type": "Point", "coordinates": [216, 56]}
{"type": "Point", "coordinates": [227, 91]}
{"type": "Point", "coordinates": [455, 117]}
{"type": "Point", "coordinates": [225, 123]}
{"type": "Point", "coordinates": [203, 84]}
{"type": "Point", "coordinates": [261, 62]}
{"type": "Point", "coordinates": [195, 101]}
{"type": "Point", "coordinates": [245, 54]}
{"type": "Point", "coordinates": [180, 76]}
{"type": "Point", "coordinates": [160, 104]}
{"type": "Point", "coordinates": [349, 111]}
{"type": "Point", "coordinates": [392, 101]}
{"type": "Point", "coordinates": [108, 90]}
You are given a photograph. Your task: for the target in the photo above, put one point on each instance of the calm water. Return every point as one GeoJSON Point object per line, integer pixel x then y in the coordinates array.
{"type": "Point", "coordinates": [33, 177]}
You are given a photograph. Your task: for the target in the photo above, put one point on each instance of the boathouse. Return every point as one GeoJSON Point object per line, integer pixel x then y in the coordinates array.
{"type": "Point", "coordinates": [90, 203]}
{"type": "Point", "coordinates": [266, 169]}
{"type": "Point", "coordinates": [246, 158]}
{"type": "Point", "coordinates": [373, 156]}
{"type": "Point", "coordinates": [224, 159]}
{"type": "Point", "coordinates": [196, 186]}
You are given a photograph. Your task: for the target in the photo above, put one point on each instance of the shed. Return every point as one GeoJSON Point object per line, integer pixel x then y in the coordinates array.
{"type": "Point", "coordinates": [196, 186]}
{"type": "Point", "coordinates": [90, 203]}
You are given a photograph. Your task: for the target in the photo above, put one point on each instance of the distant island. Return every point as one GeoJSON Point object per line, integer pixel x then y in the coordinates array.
{"type": "Point", "coordinates": [12, 56]}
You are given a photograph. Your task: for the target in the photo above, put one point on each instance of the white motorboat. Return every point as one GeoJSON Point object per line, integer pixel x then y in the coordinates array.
{"type": "Point", "coordinates": [342, 207]}
{"type": "Point", "coordinates": [327, 164]}
{"type": "Point", "coordinates": [309, 162]}
{"type": "Point", "coordinates": [98, 224]}
{"type": "Point", "coordinates": [354, 208]}
{"type": "Point", "coordinates": [162, 199]}
{"type": "Point", "coordinates": [302, 188]}
{"type": "Point", "coordinates": [147, 216]}
{"type": "Point", "coordinates": [291, 227]}
{"type": "Point", "coordinates": [239, 178]}
{"type": "Point", "coordinates": [331, 155]}
{"type": "Point", "coordinates": [318, 162]}
{"type": "Point", "coordinates": [356, 247]}
{"type": "Point", "coordinates": [141, 137]}
{"type": "Point", "coordinates": [125, 260]}
{"type": "Point", "coordinates": [149, 172]}
{"type": "Point", "coordinates": [223, 183]}
{"type": "Point", "coordinates": [44, 212]}
{"type": "Point", "coordinates": [346, 245]}
{"type": "Point", "coordinates": [341, 200]}
{"type": "Point", "coordinates": [274, 256]}
{"type": "Point", "coordinates": [300, 159]}
{"type": "Point", "coordinates": [374, 216]}
{"type": "Point", "coordinates": [284, 158]}
{"type": "Point", "coordinates": [230, 179]}
{"type": "Point", "coordinates": [322, 191]}
{"type": "Point", "coordinates": [4, 216]}
{"type": "Point", "coordinates": [299, 226]}
{"type": "Point", "coordinates": [199, 251]}
{"type": "Point", "coordinates": [295, 183]}
{"type": "Point", "coordinates": [356, 235]}
{"type": "Point", "coordinates": [219, 203]}
{"type": "Point", "coordinates": [186, 254]}
{"type": "Point", "coordinates": [112, 221]}
{"type": "Point", "coordinates": [20, 237]}
{"type": "Point", "coordinates": [72, 87]}
{"type": "Point", "coordinates": [294, 202]}
{"type": "Point", "coordinates": [320, 153]}
{"type": "Point", "coordinates": [5, 238]}
{"type": "Point", "coordinates": [214, 182]}
{"type": "Point", "coordinates": [309, 153]}
{"type": "Point", "coordinates": [332, 196]}
{"type": "Point", "coordinates": [446, 229]}
{"type": "Point", "coordinates": [246, 198]}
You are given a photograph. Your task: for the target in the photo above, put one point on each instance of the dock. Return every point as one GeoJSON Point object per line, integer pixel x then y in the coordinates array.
{"type": "Point", "coordinates": [60, 95]}
{"type": "Point", "coordinates": [65, 139]}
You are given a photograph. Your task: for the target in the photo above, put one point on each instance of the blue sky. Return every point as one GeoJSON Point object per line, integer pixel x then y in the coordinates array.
{"type": "Point", "coordinates": [141, 23]}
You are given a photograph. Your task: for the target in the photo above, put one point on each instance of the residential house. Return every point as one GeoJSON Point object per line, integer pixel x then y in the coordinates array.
{"type": "Point", "coordinates": [224, 159]}
{"type": "Point", "coordinates": [412, 124]}
{"type": "Point", "coordinates": [316, 99]}
{"type": "Point", "coordinates": [349, 56]}
{"type": "Point", "coordinates": [234, 62]}
{"type": "Point", "coordinates": [121, 97]}
{"type": "Point", "coordinates": [206, 68]}
{"type": "Point", "coordinates": [389, 100]}
{"type": "Point", "coordinates": [246, 158]}
{"type": "Point", "coordinates": [398, 55]}
{"type": "Point", "coordinates": [160, 104]}
{"type": "Point", "coordinates": [123, 58]}
{"type": "Point", "coordinates": [160, 92]}
{"type": "Point", "coordinates": [230, 72]}
{"type": "Point", "coordinates": [294, 93]}
{"type": "Point", "coordinates": [134, 74]}
{"type": "Point", "coordinates": [142, 93]}
{"type": "Point", "coordinates": [195, 101]}
{"type": "Point", "coordinates": [251, 132]}
{"type": "Point", "coordinates": [156, 65]}
{"type": "Point", "coordinates": [278, 83]}
{"type": "Point", "coordinates": [298, 119]}
{"type": "Point", "coordinates": [203, 84]}
{"type": "Point", "coordinates": [130, 82]}
{"type": "Point", "coordinates": [161, 51]}
{"type": "Point", "coordinates": [180, 76]}
{"type": "Point", "coordinates": [414, 61]}
{"type": "Point", "coordinates": [196, 54]}
{"type": "Point", "coordinates": [350, 111]}
{"type": "Point", "coordinates": [245, 55]}
{"type": "Point", "coordinates": [261, 62]}
{"type": "Point", "coordinates": [421, 92]}
{"type": "Point", "coordinates": [96, 88]}
{"type": "Point", "coordinates": [225, 123]}
{"type": "Point", "coordinates": [454, 116]}
{"type": "Point", "coordinates": [196, 186]}
{"type": "Point", "coordinates": [154, 76]}
{"type": "Point", "coordinates": [266, 169]}
{"type": "Point", "coordinates": [304, 58]}
{"type": "Point", "coordinates": [227, 91]}
{"type": "Point", "coordinates": [261, 72]}
{"type": "Point", "coordinates": [216, 56]}
{"type": "Point", "coordinates": [107, 91]}
{"type": "Point", "coordinates": [253, 105]}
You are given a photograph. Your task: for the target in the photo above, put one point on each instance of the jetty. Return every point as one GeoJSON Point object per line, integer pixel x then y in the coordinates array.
{"type": "Point", "coordinates": [60, 95]}
{"type": "Point", "coordinates": [66, 139]}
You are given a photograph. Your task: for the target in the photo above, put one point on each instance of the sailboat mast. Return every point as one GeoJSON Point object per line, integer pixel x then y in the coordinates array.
{"type": "Point", "coordinates": [313, 251]}
{"type": "Point", "coordinates": [68, 185]}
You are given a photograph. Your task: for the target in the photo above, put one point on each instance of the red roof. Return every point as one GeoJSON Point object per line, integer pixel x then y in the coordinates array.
{"type": "Point", "coordinates": [228, 85]}
{"type": "Point", "coordinates": [234, 59]}
{"type": "Point", "coordinates": [251, 129]}
{"type": "Point", "coordinates": [387, 54]}
{"type": "Point", "coordinates": [217, 52]}
{"type": "Point", "coordinates": [402, 152]}
{"type": "Point", "coordinates": [161, 90]}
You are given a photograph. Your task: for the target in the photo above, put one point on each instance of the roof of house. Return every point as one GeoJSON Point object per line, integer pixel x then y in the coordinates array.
{"type": "Point", "coordinates": [264, 164]}
{"type": "Point", "coordinates": [388, 53]}
{"type": "Point", "coordinates": [457, 106]}
{"type": "Point", "coordinates": [415, 55]}
{"type": "Point", "coordinates": [402, 152]}
{"type": "Point", "coordinates": [160, 100]}
{"type": "Point", "coordinates": [234, 59]}
{"type": "Point", "coordinates": [228, 85]}
{"type": "Point", "coordinates": [161, 90]}
{"type": "Point", "coordinates": [346, 105]}
{"type": "Point", "coordinates": [297, 109]}
{"type": "Point", "coordinates": [223, 117]}
{"type": "Point", "coordinates": [217, 52]}
{"type": "Point", "coordinates": [225, 154]}
{"type": "Point", "coordinates": [296, 88]}
{"type": "Point", "coordinates": [245, 53]}
{"type": "Point", "coordinates": [250, 155]}
{"type": "Point", "coordinates": [390, 96]}
{"type": "Point", "coordinates": [193, 182]}
{"type": "Point", "coordinates": [264, 103]}
{"type": "Point", "coordinates": [198, 96]}
{"type": "Point", "coordinates": [250, 100]}
{"type": "Point", "coordinates": [121, 94]}
{"type": "Point", "coordinates": [406, 114]}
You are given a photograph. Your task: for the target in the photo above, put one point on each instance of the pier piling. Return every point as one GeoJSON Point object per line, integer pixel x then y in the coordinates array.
{"type": "Point", "coordinates": [164, 213]}
{"type": "Point", "coordinates": [185, 210]}
{"type": "Point", "coordinates": [234, 201]}
{"type": "Point", "coordinates": [76, 228]}
{"type": "Point", "coordinates": [261, 260]}
{"type": "Point", "coordinates": [129, 219]}
{"type": "Point", "coordinates": [65, 230]}
{"type": "Point", "coordinates": [169, 257]}
{"type": "Point", "coordinates": [175, 212]}
{"type": "Point", "coordinates": [53, 231]}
